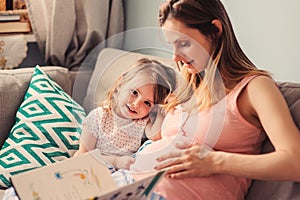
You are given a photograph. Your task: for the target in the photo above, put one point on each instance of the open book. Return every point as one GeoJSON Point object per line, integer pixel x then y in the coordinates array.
{"type": "Point", "coordinates": [83, 177]}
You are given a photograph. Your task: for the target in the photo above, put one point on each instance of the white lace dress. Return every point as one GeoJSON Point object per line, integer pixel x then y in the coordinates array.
{"type": "Point", "coordinates": [115, 135]}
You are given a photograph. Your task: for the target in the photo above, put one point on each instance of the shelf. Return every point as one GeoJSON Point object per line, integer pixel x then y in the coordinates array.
{"type": "Point", "coordinates": [28, 36]}
{"type": "Point", "coordinates": [14, 48]}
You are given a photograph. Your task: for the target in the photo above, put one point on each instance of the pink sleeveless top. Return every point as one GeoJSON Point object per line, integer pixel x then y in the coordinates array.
{"type": "Point", "coordinates": [223, 128]}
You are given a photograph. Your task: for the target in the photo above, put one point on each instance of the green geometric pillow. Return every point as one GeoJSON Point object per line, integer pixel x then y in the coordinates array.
{"type": "Point", "coordinates": [46, 130]}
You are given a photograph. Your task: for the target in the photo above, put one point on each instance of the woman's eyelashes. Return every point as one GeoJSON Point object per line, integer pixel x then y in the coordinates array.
{"type": "Point", "coordinates": [182, 44]}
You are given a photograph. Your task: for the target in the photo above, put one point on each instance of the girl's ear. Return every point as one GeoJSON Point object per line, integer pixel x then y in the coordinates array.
{"type": "Point", "coordinates": [217, 23]}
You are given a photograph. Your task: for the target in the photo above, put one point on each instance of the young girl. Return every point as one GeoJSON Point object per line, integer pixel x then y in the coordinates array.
{"type": "Point", "coordinates": [117, 126]}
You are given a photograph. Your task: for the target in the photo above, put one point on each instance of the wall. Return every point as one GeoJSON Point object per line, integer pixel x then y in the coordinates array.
{"type": "Point", "coordinates": [268, 32]}
{"type": "Point", "coordinates": [142, 28]}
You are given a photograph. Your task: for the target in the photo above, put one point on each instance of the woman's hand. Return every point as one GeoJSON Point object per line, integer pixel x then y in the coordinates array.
{"type": "Point", "coordinates": [193, 161]}
{"type": "Point", "coordinates": [123, 162]}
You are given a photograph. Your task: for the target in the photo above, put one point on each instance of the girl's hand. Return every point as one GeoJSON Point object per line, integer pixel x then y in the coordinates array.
{"type": "Point", "coordinates": [123, 162]}
{"type": "Point", "coordinates": [194, 161]}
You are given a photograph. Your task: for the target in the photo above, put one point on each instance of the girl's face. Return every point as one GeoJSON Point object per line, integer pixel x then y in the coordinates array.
{"type": "Point", "coordinates": [135, 98]}
{"type": "Point", "coordinates": [190, 46]}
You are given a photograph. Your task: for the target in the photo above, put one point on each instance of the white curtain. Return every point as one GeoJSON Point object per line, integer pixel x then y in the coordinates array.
{"type": "Point", "coordinates": [67, 30]}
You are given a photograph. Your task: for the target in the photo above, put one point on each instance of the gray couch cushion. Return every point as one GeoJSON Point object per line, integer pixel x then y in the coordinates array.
{"type": "Point", "coordinates": [13, 85]}
{"type": "Point", "coordinates": [291, 93]}
{"type": "Point", "coordinates": [264, 190]}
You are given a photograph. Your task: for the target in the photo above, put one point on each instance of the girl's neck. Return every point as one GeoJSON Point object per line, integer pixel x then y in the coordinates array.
{"type": "Point", "coordinates": [117, 112]}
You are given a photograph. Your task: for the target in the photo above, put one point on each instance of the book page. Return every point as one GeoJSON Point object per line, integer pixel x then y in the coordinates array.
{"type": "Point", "coordinates": [81, 177]}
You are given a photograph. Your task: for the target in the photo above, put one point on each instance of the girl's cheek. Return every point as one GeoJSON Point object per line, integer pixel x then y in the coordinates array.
{"type": "Point", "coordinates": [145, 110]}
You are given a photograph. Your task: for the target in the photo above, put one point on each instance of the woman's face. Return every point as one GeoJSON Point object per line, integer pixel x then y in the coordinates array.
{"type": "Point", "coordinates": [135, 98]}
{"type": "Point", "coordinates": [190, 46]}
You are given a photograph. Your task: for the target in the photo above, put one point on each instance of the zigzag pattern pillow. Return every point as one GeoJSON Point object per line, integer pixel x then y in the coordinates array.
{"type": "Point", "coordinates": [47, 129]}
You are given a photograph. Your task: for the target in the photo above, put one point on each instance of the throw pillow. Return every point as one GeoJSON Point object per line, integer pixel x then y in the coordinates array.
{"type": "Point", "coordinates": [46, 129]}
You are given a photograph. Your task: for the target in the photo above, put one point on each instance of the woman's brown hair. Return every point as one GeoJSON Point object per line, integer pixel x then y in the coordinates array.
{"type": "Point", "coordinates": [228, 57]}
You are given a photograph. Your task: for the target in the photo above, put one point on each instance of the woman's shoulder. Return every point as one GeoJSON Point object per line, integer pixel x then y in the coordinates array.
{"type": "Point", "coordinates": [261, 79]}
{"type": "Point", "coordinates": [254, 82]}
{"type": "Point", "coordinates": [262, 90]}
{"type": "Point", "coordinates": [253, 87]}
{"type": "Point", "coordinates": [261, 83]}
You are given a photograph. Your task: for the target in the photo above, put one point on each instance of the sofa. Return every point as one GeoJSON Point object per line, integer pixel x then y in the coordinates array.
{"type": "Point", "coordinates": [110, 63]}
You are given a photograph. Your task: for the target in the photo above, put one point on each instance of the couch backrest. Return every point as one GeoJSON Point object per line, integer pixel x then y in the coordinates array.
{"type": "Point", "coordinates": [291, 93]}
{"type": "Point", "coordinates": [13, 85]}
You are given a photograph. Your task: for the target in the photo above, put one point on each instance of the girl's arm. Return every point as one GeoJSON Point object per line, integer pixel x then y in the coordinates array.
{"type": "Point", "coordinates": [87, 142]}
{"type": "Point", "coordinates": [153, 128]}
{"type": "Point", "coordinates": [119, 162]}
{"type": "Point", "coordinates": [271, 110]}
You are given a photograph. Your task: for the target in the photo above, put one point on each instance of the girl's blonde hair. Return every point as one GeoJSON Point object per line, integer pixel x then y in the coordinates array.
{"type": "Point", "coordinates": [162, 76]}
{"type": "Point", "coordinates": [228, 63]}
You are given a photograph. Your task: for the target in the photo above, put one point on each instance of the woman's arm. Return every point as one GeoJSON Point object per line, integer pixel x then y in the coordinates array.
{"type": "Point", "coordinates": [274, 116]}
{"type": "Point", "coordinates": [272, 111]}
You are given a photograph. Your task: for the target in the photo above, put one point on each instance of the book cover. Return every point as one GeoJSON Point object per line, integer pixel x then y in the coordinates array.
{"type": "Point", "coordinates": [23, 13]}
{"type": "Point", "coordinates": [6, 17]}
{"type": "Point", "coordinates": [15, 27]}
{"type": "Point", "coordinates": [83, 177]}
